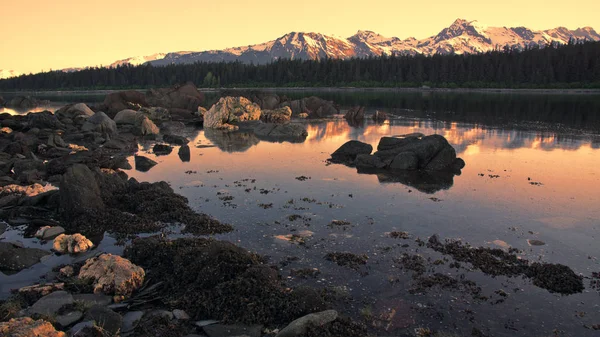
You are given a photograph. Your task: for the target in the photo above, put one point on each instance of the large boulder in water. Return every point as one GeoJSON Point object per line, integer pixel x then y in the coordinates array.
{"type": "Point", "coordinates": [348, 152]}
{"type": "Point", "coordinates": [25, 102]}
{"type": "Point", "coordinates": [142, 124]}
{"type": "Point", "coordinates": [118, 101]}
{"type": "Point", "coordinates": [432, 153]}
{"type": "Point", "coordinates": [229, 111]}
{"type": "Point", "coordinates": [43, 120]}
{"type": "Point", "coordinates": [315, 107]}
{"type": "Point", "coordinates": [186, 97]}
{"type": "Point", "coordinates": [355, 114]}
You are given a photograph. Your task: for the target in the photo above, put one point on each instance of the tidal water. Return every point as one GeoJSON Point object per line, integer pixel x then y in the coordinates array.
{"type": "Point", "coordinates": [532, 173]}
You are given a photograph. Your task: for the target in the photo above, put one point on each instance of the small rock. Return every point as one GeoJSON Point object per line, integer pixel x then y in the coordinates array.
{"type": "Point", "coordinates": [105, 318]}
{"type": "Point", "coordinates": [130, 320]}
{"type": "Point", "coordinates": [39, 290]}
{"type": "Point", "coordinates": [15, 258]}
{"type": "Point", "coordinates": [174, 139]}
{"type": "Point", "coordinates": [50, 304]}
{"type": "Point", "coordinates": [184, 153]}
{"type": "Point", "coordinates": [535, 242]}
{"type": "Point", "coordinates": [67, 271]}
{"type": "Point", "coordinates": [205, 322]}
{"type": "Point", "coordinates": [80, 329]}
{"type": "Point", "coordinates": [180, 314]}
{"type": "Point", "coordinates": [144, 164]}
{"type": "Point", "coordinates": [162, 149]}
{"type": "Point", "coordinates": [89, 300]}
{"type": "Point", "coordinates": [49, 232]}
{"type": "Point", "coordinates": [71, 244]}
{"type": "Point", "coordinates": [160, 313]}
{"type": "Point", "coordinates": [299, 327]}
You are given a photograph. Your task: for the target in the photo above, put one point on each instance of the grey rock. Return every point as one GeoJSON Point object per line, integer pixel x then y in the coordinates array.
{"type": "Point", "coordinates": [105, 318]}
{"type": "Point", "coordinates": [69, 318]}
{"type": "Point", "coordinates": [405, 161]}
{"type": "Point", "coordinates": [368, 161]}
{"type": "Point", "coordinates": [16, 258]}
{"type": "Point", "coordinates": [162, 149]}
{"type": "Point", "coordinates": [388, 143]}
{"type": "Point", "coordinates": [175, 139]}
{"type": "Point", "coordinates": [130, 320]}
{"type": "Point", "coordinates": [299, 327]}
{"type": "Point", "coordinates": [50, 304]}
{"type": "Point", "coordinates": [44, 120]}
{"type": "Point", "coordinates": [184, 153]}
{"type": "Point", "coordinates": [81, 329]}
{"type": "Point", "coordinates": [160, 313]}
{"type": "Point", "coordinates": [79, 191]}
{"type": "Point", "coordinates": [180, 314]}
{"type": "Point", "coordinates": [100, 122]}
{"type": "Point", "coordinates": [3, 227]}
{"type": "Point", "coordinates": [347, 153]}
{"type": "Point", "coordinates": [220, 330]}
{"type": "Point", "coordinates": [442, 160]}
{"type": "Point", "coordinates": [144, 164]}
{"type": "Point", "coordinates": [72, 111]}
{"type": "Point", "coordinates": [89, 300]}
{"type": "Point", "coordinates": [48, 233]}
{"type": "Point", "coordinates": [205, 322]}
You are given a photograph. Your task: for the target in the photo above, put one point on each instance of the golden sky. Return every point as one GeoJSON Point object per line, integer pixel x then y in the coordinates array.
{"type": "Point", "coordinates": [54, 34]}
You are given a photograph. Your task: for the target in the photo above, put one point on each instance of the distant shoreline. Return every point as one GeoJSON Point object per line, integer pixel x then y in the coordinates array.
{"type": "Point", "coordinates": [333, 89]}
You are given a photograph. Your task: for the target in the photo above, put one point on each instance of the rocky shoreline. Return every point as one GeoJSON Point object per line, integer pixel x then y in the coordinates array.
{"type": "Point", "coordinates": [61, 176]}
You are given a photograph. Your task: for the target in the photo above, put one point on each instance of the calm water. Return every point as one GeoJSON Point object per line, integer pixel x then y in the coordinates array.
{"type": "Point", "coordinates": [492, 203]}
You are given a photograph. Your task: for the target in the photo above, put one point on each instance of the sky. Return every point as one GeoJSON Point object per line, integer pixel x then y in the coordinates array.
{"type": "Point", "coordinates": [41, 35]}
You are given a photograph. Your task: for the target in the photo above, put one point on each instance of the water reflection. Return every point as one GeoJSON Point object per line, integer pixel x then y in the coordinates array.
{"type": "Point", "coordinates": [424, 181]}
{"type": "Point", "coordinates": [238, 141]}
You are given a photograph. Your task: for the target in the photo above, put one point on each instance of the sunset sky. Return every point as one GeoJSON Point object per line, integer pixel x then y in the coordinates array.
{"type": "Point", "coordinates": [42, 35]}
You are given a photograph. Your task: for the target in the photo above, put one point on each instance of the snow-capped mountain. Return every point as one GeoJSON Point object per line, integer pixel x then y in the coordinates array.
{"type": "Point", "coordinates": [137, 60]}
{"type": "Point", "coordinates": [459, 38]}
{"type": "Point", "coordinates": [4, 73]}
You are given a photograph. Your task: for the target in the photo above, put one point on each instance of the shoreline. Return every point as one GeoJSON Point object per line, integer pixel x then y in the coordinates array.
{"type": "Point", "coordinates": [335, 89]}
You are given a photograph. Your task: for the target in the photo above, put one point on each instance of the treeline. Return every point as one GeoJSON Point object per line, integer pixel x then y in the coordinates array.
{"type": "Point", "coordinates": [576, 65]}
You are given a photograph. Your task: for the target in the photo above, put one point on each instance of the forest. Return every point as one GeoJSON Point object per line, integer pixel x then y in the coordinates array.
{"type": "Point", "coordinates": [575, 65]}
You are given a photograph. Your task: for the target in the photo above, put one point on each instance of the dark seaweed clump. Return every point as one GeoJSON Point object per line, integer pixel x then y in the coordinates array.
{"type": "Point", "coordinates": [217, 279]}
{"type": "Point", "coordinates": [160, 326]}
{"type": "Point", "coordinates": [423, 283]}
{"type": "Point", "coordinates": [555, 278]}
{"type": "Point", "coordinates": [341, 327]}
{"type": "Point", "coordinates": [134, 207]}
{"type": "Point", "coordinates": [347, 259]}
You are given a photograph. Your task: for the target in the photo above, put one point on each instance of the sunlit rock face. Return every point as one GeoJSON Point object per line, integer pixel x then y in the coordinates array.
{"type": "Point", "coordinates": [229, 111]}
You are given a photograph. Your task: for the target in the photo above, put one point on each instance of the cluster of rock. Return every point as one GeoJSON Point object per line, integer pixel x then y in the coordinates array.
{"type": "Point", "coordinates": [427, 163]}
{"type": "Point", "coordinates": [233, 113]}
{"type": "Point", "coordinates": [21, 103]}
{"type": "Point", "coordinates": [409, 152]}
{"type": "Point", "coordinates": [311, 107]}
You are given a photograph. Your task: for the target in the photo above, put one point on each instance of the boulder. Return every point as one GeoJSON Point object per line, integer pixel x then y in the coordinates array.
{"type": "Point", "coordinates": [79, 191]}
{"type": "Point", "coordinates": [72, 111]}
{"type": "Point", "coordinates": [146, 128]}
{"type": "Point", "coordinates": [118, 101]}
{"type": "Point", "coordinates": [144, 164]}
{"type": "Point", "coordinates": [43, 120]}
{"type": "Point", "coordinates": [162, 149]}
{"type": "Point", "coordinates": [112, 275]}
{"type": "Point", "coordinates": [380, 116]}
{"type": "Point", "coordinates": [277, 116]}
{"type": "Point", "coordinates": [300, 326]}
{"type": "Point", "coordinates": [367, 161]}
{"type": "Point", "coordinates": [15, 257]}
{"type": "Point", "coordinates": [404, 161]}
{"type": "Point", "coordinates": [51, 304]}
{"type": "Point", "coordinates": [109, 321]}
{"type": "Point", "coordinates": [433, 153]}
{"type": "Point", "coordinates": [230, 111]}
{"type": "Point", "coordinates": [49, 232]}
{"type": "Point", "coordinates": [56, 141]}
{"type": "Point", "coordinates": [128, 116]}
{"type": "Point", "coordinates": [355, 114]}
{"type": "Point", "coordinates": [101, 123]}
{"type": "Point", "coordinates": [347, 153]}
{"type": "Point", "coordinates": [27, 327]}
{"type": "Point", "coordinates": [72, 244]}
{"type": "Point", "coordinates": [388, 143]}
{"type": "Point", "coordinates": [130, 320]}
{"type": "Point", "coordinates": [186, 97]}
{"type": "Point", "coordinates": [184, 153]}
{"type": "Point", "coordinates": [156, 114]}
{"type": "Point", "coordinates": [175, 139]}
{"type": "Point", "coordinates": [201, 111]}
{"type": "Point", "coordinates": [291, 132]}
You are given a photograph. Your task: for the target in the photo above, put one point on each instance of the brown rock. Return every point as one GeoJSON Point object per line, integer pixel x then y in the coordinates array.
{"type": "Point", "coordinates": [27, 327]}
{"type": "Point", "coordinates": [112, 275]}
{"type": "Point", "coordinates": [118, 101]}
{"type": "Point", "coordinates": [185, 97]}
{"type": "Point", "coordinates": [277, 116]}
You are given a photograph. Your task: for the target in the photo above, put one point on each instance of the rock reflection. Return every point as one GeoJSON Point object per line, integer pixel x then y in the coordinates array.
{"type": "Point", "coordinates": [424, 181]}
{"type": "Point", "coordinates": [226, 141]}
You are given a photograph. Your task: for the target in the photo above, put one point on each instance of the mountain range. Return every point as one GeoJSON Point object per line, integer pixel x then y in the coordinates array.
{"type": "Point", "coordinates": [462, 37]}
